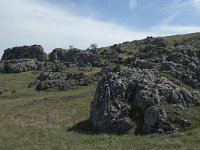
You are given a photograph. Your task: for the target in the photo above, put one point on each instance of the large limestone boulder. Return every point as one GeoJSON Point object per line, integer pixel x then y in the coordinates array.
{"type": "Point", "coordinates": [58, 54]}
{"type": "Point", "coordinates": [109, 109]}
{"type": "Point", "coordinates": [31, 52]}
{"type": "Point", "coordinates": [155, 120]}
{"type": "Point", "coordinates": [143, 92]}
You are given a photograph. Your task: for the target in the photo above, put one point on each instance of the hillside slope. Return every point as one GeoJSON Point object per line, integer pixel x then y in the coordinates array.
{"type": "Point", "coordinates": [59, 118]}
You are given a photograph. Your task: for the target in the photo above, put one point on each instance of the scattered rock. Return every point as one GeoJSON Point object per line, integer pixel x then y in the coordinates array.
{"type": "Point", "coordinates": [49, 76]}
{"type": "Point", "coordinates": [185, 123]}
{"type": "Point", "coordinates": [74, 75]}
{"type": "Point", "coordinates": [13, 91]}
{"type": "Point", "coordinates": [62, 86]}
{"type": "Point", "coordinates": [60, 67]}
{"type": "Point", "coordinates": [43, 86]}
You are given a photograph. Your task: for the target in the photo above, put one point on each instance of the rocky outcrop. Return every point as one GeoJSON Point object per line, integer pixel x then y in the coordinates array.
{"type": "Point", "coordinates": [76, 56]}
{"type": "Point", "coordinates": [109, 109]}
{"type": "Point", "coordinates": [144, 91]}
{"type": "Point", "coordinates": [155, 119]}
{"type": "Point", "coordinates": [58, 54]}
{"type": "Point", "coordinates": [63, 81]}
{"type": "Point", "coordinates": [18, 65]}
{"type": "Point", "coordinates": [1, 66]}
{"type": "Point", "coordinates": [49, 76]}
{"type": "Point", "coordinates": [31, 52]}
{"type": "Point", "coordinates": [181, 62]}
{"type": "Point", "coordinates": [47, 80]}
{"type": "Point", "coordinates": [147, 88]}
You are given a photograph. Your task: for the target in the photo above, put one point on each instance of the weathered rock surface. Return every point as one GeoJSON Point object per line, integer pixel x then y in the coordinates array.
{"type": "Point", "coordinates": [147, 88]}
{"type": "Point", "coordinates": [181, 62]}
{"type": "Point", "coordinates": [74, 75]}
{"type": "Point", "coordinates": [18, 65]}
{"type": "Point", "coordinates": [109, 110]}
{"type": "Point", "coordinates": [143, 90]}
{"type": "Point", "coordinates": [31, 52]}
{"type": "Point", "coordinates": [61, 80]}
{"type": "Point", "coordinates": [76, 56]}
{"type": "Point", "coordinates": [155, 119]}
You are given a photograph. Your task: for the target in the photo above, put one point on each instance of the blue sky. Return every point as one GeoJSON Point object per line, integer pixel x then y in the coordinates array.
{"type": "Point", "coordinates": [60, 23]}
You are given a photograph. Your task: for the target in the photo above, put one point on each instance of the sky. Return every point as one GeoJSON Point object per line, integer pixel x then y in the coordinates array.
{"type": "Point", "coordinates": [78, 23]}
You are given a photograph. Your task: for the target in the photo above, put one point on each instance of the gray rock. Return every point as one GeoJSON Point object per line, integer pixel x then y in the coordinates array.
{"type": "Point", "coordinates": [143, 64]}
{"type": "Point", "coordinates": [31, 52]}
{"type": "Point", "coordinates": [181, 61]}
{"type": "Point", "coordinates": [185, 123]}
{"type": "Point", "coordinates": [109, 110]}
{"type": "Point", "coordinates": [49, 76]}
{"type": "Point", "coordinates": [65, 85]}
{"type": "Point", "coordinates": [19, 65]}
{"type": "Point", "coordinates": [59, 67]}
{"type": "Point", "coordinates": [43, 86]}
{"type": "Point", "coordinates": [168, 66]}
{"type": "Point", "coordinates": [1, 66]}
{"type": "Point", "coordinates": [58, 54]}
{"type": "Point", "coordinates": [153, 118]}
{"type": "Point", "coordinates": [143, 91]}
{"type": "Point", "coordinates": [144, 99]}
{"type": "Point", "coordinates": [107, 70]}
{"type": "Point", "coordinates": [76, 56]}
{"type": "Point", "coordinates": [74, 75]}
{"type": "Point", "coordinates": [51, 79]}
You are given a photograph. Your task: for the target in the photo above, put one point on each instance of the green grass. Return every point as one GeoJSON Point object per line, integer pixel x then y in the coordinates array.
{"type": "Point", "coordinates": [178, 38]}
{"type": "Point", "coordinates": [57, 120]}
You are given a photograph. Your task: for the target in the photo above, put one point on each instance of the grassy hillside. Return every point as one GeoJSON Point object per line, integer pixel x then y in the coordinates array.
{"type": "Point", "coordinates": [55, 119]}
{"type": "Point", "coordinates": [58, 120]}
{"type": "Point", "coordinates": [175, 38]}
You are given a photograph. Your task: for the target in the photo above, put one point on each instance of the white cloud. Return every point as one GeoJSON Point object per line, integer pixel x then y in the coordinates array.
{"type": "Point", "coordinates": [132, 4]}
{"type": "Point", "coordinates": [196, 3]}
{"type": "Point", "coordinates": [26, 22]}
{"type": "Point", "coordinates": [170, 18]}
{"type": "Point", "coordinates": [170, 30]}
